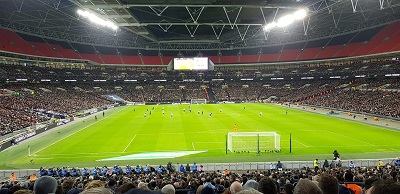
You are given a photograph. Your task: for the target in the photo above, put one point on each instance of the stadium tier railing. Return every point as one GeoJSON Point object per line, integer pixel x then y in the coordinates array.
{"type": "Point", "coordinates": [233, 167]}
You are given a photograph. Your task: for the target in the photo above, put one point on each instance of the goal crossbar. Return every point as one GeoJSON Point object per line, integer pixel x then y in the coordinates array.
{"type": "Point", "coordinates": [253, 141]}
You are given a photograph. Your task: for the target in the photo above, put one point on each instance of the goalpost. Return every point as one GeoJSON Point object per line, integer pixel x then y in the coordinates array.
{"type": "Point", "coordinates": [254, 142]}
{"type": "Point", "coordinates": [198, 101]}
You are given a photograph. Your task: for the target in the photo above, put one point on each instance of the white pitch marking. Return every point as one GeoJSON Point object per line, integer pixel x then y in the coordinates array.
{"type": "Point", "coordinates": [350, 138]}
{"type": "Point", "coordinates": [72, 134]}
{"type": "Point", "coordinates": [301, 143]}
{"type": "Point", "coordinates": [129, 144]}
{"type": "Point", "coordinates": [193, 146]}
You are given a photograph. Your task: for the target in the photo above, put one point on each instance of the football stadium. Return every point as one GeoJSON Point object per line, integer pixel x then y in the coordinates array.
{"type": "Point", "coordinates": [200, 96]}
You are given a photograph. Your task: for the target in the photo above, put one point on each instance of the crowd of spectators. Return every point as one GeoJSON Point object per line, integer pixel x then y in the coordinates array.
{"type": "Point", "coordinates": [193, 180]}
{"type": "Point", "coordinates": [111, 73]}
{"type": "Point", "coordinates": [31, 104]}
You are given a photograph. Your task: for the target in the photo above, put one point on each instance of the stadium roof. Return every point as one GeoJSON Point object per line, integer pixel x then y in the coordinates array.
{"type": "Point", "coordinates": [193, 24]}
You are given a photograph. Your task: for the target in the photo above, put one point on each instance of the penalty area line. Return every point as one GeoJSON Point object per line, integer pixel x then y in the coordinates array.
{"type": "Point", "coordinates": [71, 134]}
{"type": "Point", "coordinates": [129, 144]}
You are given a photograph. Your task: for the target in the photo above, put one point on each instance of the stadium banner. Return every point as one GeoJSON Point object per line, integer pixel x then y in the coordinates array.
{"type": "Point", "coordinates": [23, 137]}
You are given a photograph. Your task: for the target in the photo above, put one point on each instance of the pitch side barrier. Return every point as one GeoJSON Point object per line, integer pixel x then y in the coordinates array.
{"type": "Point", "coordinates": [233, 167]}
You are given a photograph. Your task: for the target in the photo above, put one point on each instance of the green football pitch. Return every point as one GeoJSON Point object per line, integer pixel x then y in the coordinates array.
{"type": "Point", "coordinates": [126, 136]}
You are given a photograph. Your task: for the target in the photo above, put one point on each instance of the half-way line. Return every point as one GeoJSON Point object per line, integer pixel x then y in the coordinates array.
{"type": "Point", "coordinates": [73, 133]}
{"type": "Point", "coordinates": [129, 144]}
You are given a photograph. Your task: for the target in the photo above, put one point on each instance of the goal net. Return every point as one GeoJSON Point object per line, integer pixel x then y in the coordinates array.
{"type": "Point", "coordinates": [254, 142]}
{"type": "Point", "coordinates": [198, 101]}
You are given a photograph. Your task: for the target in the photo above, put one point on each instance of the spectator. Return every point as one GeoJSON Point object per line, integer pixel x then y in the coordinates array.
{"type": "Point", "coordinates": [328, 184]}
{"type": "Point", "coordinates": [305, 186]}
{"type": "Point", "coordinates": [45, 185]}
{"type": "Point", "coordinates": [267, 186]}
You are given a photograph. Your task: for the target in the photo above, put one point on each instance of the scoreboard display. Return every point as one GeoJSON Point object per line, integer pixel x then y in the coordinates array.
{"type": "Point", "coordinates": [194, 63]}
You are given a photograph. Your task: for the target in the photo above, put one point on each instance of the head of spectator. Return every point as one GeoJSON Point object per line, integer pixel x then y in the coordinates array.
{"type": "Point", "coordinates": [199, 189]}
{"type": "Point", "coordinates": [142, 191]}
{"type": "Point", "coordinates": [251, 184]}
{"type": "Point", "coordinates": [168, 189]}
{"type": "Point", "coordinates": [220, 189]}
{"type": "Point", "coordinates": [45, 185]}
{"type": "Point", "coordinates": [368, 183]}
{"type": "Point", "coordinates": [75, 191]}
{"type": "Point", "coordinates": [235, 187]}
{"type": "Point", "coordinates": [249, 191]}
{"type": "Point", "coordinates": [267, 186]}
{"type": "Point", "coordinates": [23, 192]}
{"type": "Point", "coordinates": [207, 190]}
{"type": "Point", "coordinates": [328, 184]}
{"type": "Point", "coordinates": [384, 187]}
{"type": "Point", "coordinates": [97, 190]}
{"type": "Point", "coordinates": [288, 188]}
{"type": "Point", "coordinates": [126, 187]}
{"type": "Point", "coordinates": [348, 176]}
{"type": "Point", "coordinates": [143, 185]}
{"type": "Point", "coordinates": [67, 185]}
{"type": "Point", "coordinates": [305, 186]}
{"type": "Point", "coordinates": [94, 184]}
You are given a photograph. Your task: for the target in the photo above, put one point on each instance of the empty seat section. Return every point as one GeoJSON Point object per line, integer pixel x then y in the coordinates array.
{"type": "Point", "coordinates": [328, 52]}
{"type": "Point", "coordinates": [375, 39]}
{"type": "Point", "coordinates": [167, 59]}
{"type": "Point", "coordinates": [151, 60]}
{"type": "Point", "coordinates": [131, 60]}
{"type": "Point", "coordinates": [45, 49]}
{"type": "Point", "coordinates": [388, 44]}
{"type": "Point", "coordinates": [309, 53]}
{"type": "Point", "coordinates": [289, 55]}
{"type": "Point", "coordinates": [7, 46]}
{"type": "Point", "coordinates": [92, 57]}
{"type": "Point", "coordinates": [249, 59]}
{"type": "Point", "coordinates": [64, 49]}
{"type": "Point", "coordinates": [347, 50]}
{"type": "Point", "coordinates": [270, 54]}
{"type": "Point", "coordinates": [111, 59]}
{"type": "Point", "coordinates": [214, 59]}
{"type": "Point", "coordinates": [269, 57]}
{"type": "Point", "coordinates": [16, 41]}
{"type": "Point", "coordinates": [66, 53]}
{"type": "Point", "coordinates": [87, 52]}
{"type": "Point", "coordinates": [229, 59]}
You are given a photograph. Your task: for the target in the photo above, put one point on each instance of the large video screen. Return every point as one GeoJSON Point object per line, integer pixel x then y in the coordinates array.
{"type": "Point", "coordinates": [195, 63]}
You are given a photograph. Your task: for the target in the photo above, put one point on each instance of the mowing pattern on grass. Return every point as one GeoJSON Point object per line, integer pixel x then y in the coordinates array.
{"type": "Point", "coordinates": [126, 131]}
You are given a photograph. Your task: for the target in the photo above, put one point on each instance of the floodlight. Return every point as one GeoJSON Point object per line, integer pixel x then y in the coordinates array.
{"type": "Point", "coordinates": [300, 14]}
{"type": "Point", "coordinates": [269, 26]}
{"type": "Point", "coordinates": [285, 21]}
{"type": "Point", "coordinates": [97, 20]}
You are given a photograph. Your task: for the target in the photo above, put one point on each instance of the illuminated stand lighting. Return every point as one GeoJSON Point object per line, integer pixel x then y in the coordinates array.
{"type": "Point", "coordinates": [287, 20]}
{"type": "Point", "coordinates": [95, 19]}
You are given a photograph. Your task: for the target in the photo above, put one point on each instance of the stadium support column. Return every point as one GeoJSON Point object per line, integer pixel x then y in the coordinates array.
{"type": "Point", "coordinates": [290, 143]}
